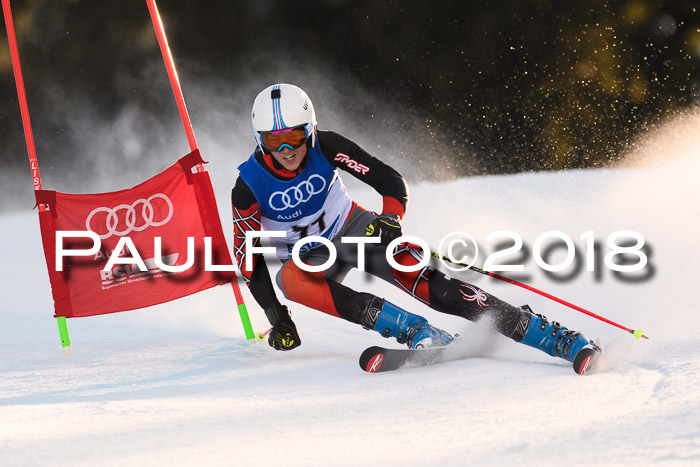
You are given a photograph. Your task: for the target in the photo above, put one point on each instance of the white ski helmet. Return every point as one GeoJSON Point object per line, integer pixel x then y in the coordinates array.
{"type": "Point", "coordinates": [281, 107]}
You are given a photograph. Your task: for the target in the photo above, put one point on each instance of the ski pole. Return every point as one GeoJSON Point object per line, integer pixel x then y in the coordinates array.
{"type": "Point", "coordinates": [262, 334]}
{"type": "Point", "coordinates": [636, 333]}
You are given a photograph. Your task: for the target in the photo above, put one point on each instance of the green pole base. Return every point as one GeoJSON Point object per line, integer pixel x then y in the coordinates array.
{"type": "Point", "coordinates": [63, 332]}
{"type": "Point", "coordinates": [247, 327]}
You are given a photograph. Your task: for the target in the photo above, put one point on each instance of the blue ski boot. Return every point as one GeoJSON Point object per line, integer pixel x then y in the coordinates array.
{"type": "Point", "coordinates": [558, 341]}
{"type": "Point", "coordinates": [407, 328]}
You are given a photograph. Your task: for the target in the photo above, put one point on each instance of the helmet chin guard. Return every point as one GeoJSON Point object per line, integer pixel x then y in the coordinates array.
{"type": "Point", "coordinates": [280, 107]}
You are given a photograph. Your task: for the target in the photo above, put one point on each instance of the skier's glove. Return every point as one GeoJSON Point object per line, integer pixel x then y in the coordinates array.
{"type": "Point", "coordinates": [284, 334]}
{"type": "Point", "coordinates": [386, 226]}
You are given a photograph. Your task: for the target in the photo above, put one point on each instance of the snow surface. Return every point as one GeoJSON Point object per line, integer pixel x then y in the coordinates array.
{"type": "Point", "coordinates": [177, 384]}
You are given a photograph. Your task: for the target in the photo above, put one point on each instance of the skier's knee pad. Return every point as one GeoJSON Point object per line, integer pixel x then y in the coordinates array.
{"type": "Point", "coordinates": [414, 283]}
{"type": "Point", "coordinates": [308, 288]}
{"type": "Point", "coordinates": [316, 291]}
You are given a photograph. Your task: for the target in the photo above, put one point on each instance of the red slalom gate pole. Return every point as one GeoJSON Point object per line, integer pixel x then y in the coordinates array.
{"type": "Point", "coordinates": [187, 123]}
{"type": "Point", "coordinates": [29, 136]}
{"type": "Point", "coordinates": [22, 97]}
{"type": "Point", "coordinates": [172, 73]}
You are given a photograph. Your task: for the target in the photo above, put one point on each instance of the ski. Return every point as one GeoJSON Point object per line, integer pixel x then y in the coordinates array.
{"type": "Point", "coordinates": [586, 359]}
{"type": "Point", "coordinates": [377, 359]}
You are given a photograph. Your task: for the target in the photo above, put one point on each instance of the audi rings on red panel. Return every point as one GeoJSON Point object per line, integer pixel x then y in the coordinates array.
{"type": "Point", "coordinates": [132, 222]}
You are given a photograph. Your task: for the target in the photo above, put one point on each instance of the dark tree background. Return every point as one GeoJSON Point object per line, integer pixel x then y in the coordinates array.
{"type": "Point", "coordinates": [497, 86]}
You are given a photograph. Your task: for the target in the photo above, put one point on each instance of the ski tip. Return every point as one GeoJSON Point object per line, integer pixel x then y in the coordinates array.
{"type": "Point", "coordinates": [375, 363]}
{"type": "Point", "coordinates": [588, 360]}
{"type": "Point", "coordinates": [584, 361]}
{"type": "Point", "coordinates": [371, 359]}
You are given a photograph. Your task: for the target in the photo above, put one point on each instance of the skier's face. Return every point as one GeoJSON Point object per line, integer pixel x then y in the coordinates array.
{"type": "Point", "coordinates": [290, 159]}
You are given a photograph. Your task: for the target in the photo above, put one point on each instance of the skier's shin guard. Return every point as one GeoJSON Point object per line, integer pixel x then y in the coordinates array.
{"type": "Point", "coordinates": [458, 298]}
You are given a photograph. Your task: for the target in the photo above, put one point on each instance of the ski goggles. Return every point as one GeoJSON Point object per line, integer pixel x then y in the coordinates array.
{"type": "Point", "coordinates": [291, 138]}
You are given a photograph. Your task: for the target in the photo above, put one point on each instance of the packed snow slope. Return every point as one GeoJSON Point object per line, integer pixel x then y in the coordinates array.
{"type": "Point", "coordinates": [177, 384]}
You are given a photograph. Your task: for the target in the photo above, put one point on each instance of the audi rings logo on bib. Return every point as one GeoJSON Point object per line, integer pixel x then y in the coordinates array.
{"type": "Point", "coordinates": [121, 220]}
{"type": "Point", "coordinates": [297, 194]}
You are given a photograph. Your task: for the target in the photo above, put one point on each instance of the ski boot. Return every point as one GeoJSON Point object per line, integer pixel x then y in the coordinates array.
{"type": "Point", "coordinates": [407, 328]}
{"type": "Point", "coordinates": [558, 341]}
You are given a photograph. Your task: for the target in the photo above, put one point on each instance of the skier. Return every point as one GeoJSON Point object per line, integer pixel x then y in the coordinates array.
{"type": "Point", "coordinates": [291, 183]}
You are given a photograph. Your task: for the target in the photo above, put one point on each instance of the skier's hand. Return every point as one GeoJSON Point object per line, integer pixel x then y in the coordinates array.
{"type": "Point", "coordinates": [284, 334]}
{"type": "Point", "coordinates": [385, 226]}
